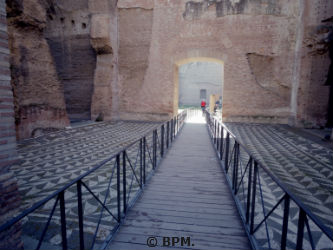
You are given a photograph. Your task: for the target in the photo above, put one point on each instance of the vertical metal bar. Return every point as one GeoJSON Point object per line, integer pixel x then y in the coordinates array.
{"type": "Point", "coordinates": [80, 213]}
{"type": "Point", "coordinates": [171, 130]}
{"type": "Point", "coordinates": [248, 202]}
{"type": "Point", "coordinates": [167, 135]}
{"type": "Point", "coordinates": [124, 182]}
{"type": "Point", "coordinates": [118, 187]}
{"type": "Point", "coordinates": [253, 202]}
{"type": "Point", "coordinates": [214, 131]}
{"type": "Point", "coordinates": [221, 143]}
{"type": "Point", "coordinates": [300, 229]}
{"type": "Point", "coordinates": [227, 151]}
{"type": "Point", "coordinates": [217, 137]}
{"type": "Point", "coordinates": [154, 148]}
{"type": "Point", "coordinates": [144, 160]}
{"type": "Point", "coordinates": [174, 127]}
{"type": "Point", "coordinates": [63, 220]}
{"type": "Point", "coordinates": [178, 123]}
{"type": "Point", "coordinates": [141, 162]}
{"type": "Point", "coordinates": [162, 140]}
{"type": "Point", "coordinates": [235, 169]}
{"type": "Point", "coordinates": [285, 222]}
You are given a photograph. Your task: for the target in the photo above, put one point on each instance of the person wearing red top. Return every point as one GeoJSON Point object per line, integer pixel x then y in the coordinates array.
{"type": "Point", "coordinates": [203, 105]}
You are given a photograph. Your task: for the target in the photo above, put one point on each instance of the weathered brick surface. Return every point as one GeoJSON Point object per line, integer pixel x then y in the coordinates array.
{"type": "Point", "coordinates": [9, 197]}
{"type": "Point", "coordinates": [38, 90]}
{"type": "Point", "coordinates": [270, 75]}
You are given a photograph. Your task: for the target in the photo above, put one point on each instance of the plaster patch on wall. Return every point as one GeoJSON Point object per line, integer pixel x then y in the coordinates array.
{"type": "Point", "coordinates": [262, 68]}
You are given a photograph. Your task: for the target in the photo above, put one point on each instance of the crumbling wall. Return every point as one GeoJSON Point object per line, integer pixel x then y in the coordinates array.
{"type": "Point", "coordinates": [39, 99]}
{"type": "Point", "coordinates": [271, 72]}
{"type": "Point", "coordinates": [254, 39]}
{"type": "Point", "coordinates": [313, 89]}
{"type": "Point", "coordinates": [9, 197]}
{"type": "Point", "coordinates": [63, 62]}
{"type": "Point", "coordinates": [135, 37]}
{"type": "Point", "coordinates": [67, 32]}
{"type": "Point", "coordinates": [269, 76]}
{"type": "Point", "coordinates": [104, 39]}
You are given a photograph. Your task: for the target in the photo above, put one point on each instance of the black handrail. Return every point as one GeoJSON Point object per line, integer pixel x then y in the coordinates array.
{"type": "Point", "coordinates": [177, 123]}
{"type": "Point", "coordinates": [218, 130]}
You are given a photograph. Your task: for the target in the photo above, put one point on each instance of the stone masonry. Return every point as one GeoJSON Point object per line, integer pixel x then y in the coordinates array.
{"type": "Point", "coordinates": [9, 198]}
{"type": "Point", "coordinates": [263, 46]}
{"type": "Point", "coordinates": [120, 59]}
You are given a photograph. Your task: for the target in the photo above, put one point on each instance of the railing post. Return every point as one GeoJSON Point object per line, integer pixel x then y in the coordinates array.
{"type": "Point", "coordinates": [171, 130]}
{"type": "Point", "coordinates": [227, 151]}
{"type": "Point", "coordinates": [214, 131]}
{"type": "Point", "coordinates": [167, 135]}
{"type": "Point", "coordinates": [162, 140]}
{"type": "Point", "coordinates": [63, 220]}
{"type": "Point", "coordinates": [174, 127]}
{"type": "Point", "coordinates": [124, 182]}
{"type": "Point", "coordinates": [300, 229]}
{"type": "Point", "coordinates": [285, 222]}
{"type": "Point", "coordinates": [144, 160]}
{"type": "Point", "coordinates": [235, 169]}
{"type": "Point", "coordinates": [118, 187]}
{"type": "Point", "coordinates": [217, 137]}
{"type": "Point", "coordinates": [154, 148]}
{"type": "Point", "coordinates": [221, 143]}
{"type": "Point", "coordinates": [248, 202]}
{"type": "Point", "coordinates": [141, 162]}
{"type": "Point", "coordinates": [178, 123]}
{"type": "Point", "coordinates": [253, 202]}
{"type": "Point", "coordinates": [80, 213]}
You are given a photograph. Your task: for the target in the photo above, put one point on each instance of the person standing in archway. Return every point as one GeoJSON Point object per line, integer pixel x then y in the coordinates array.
{"type": "Point", "coordinates": [203, 105]}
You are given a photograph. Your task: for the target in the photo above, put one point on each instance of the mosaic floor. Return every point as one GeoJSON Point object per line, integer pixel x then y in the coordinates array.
{"type": "Point", "coordinates": [303, 166]}
{"type": "Point", "coordinates": [51, 161]}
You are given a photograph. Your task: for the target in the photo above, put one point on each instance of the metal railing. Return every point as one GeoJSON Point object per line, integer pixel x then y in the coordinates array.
{"type": "Point", "coordinates": [273, 217]}
{"type": "Point", "coordinates": [93, 205]}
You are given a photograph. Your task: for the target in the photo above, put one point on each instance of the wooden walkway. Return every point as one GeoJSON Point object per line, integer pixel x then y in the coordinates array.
{"type": "Point", "coordinates": [187, 197]}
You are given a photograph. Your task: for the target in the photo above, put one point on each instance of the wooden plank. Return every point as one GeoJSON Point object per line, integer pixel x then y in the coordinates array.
{"type": "Point", "coordinates": [217, 221]}
{"type": "Point", "coordinates": [185, 213]}
{"type": "Point", "coordinates": [224, 229]}
{"type": "Point", "coordinates": [193, 243]}
{"type": "Point", "coordinates": [193, 192]}
{"type": "Point", "coordinates": [185, 208]}
{"type": "Point", "coordinates": [187, 197]}
{"type": "Point", "coordinates": [169, 233]}
{"type": "Point", "coordinates": [116, 245]}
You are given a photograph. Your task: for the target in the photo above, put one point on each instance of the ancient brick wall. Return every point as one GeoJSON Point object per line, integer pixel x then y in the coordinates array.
{"type": "Point", "coordinates": [135, 38]}
{"type": "Point", "coordinates": [269, 74]}
{"type": "Point", "coordinates": [104, 39]}
{"type": "Point", "coordinates": [63, 63]}
{"type": "Point", "coordinates": [311, 94]}
{"type": "Point", "coordinates": [244, 35]}
{"type": "Point", "coordinates": [9, 198]}
{"type": "Point", "coordinates": [39, 96]}
{"type": "Point", "coordinates": [67, 32]}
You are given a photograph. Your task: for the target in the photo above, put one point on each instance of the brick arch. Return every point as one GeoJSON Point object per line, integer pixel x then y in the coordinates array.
{"type": "Point", "coordinates": [184, 61]}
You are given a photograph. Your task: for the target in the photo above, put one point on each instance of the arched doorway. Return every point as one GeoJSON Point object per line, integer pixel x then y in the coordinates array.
{"type": "Point", "coordinates": [199, 87]}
